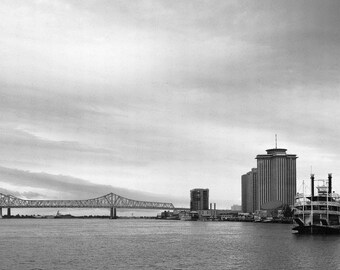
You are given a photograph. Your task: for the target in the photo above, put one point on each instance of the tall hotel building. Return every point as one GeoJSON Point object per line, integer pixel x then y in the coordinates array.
{"type": "Point", "coordinates": [273, 180]}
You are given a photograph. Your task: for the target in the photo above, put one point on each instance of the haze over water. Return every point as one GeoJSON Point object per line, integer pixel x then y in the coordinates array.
{"type": "Point", "coordinates": [160, 244]}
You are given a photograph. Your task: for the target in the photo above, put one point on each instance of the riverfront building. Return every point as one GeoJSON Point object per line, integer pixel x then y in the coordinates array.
{"type": "Point", "coordinates": [199, 199]}
{"type": "Point", "coordinates": [276, 174]}
{"type": "Point", "coordinates": [249, 190]}
{"type": "Point", "coordinates": [274, 180]}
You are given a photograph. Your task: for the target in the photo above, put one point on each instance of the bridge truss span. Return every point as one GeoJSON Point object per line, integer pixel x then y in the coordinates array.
{"type": "Point", "coordinates": [110, 200]}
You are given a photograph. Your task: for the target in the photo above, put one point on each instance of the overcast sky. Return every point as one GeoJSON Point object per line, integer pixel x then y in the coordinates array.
{"type": "Point", "coordinates": [149, 99]}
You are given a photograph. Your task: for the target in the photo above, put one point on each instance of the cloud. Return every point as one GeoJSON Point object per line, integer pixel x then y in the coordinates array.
{"type": "Point", "coordinates": [65, 187]}
{"type": "Point", "coordinates": [164, 97]}
{"type": "Point", "coordinates": [48, 186]}
{"type": "Point", "coordinates": [24, 195]}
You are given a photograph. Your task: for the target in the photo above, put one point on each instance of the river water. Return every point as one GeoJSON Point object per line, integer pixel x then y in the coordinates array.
{"type": "Point", "coordinates": [160, 244]}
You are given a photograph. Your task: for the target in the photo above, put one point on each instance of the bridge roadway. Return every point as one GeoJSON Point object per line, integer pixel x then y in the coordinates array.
{"type": "Point", "coordinates": [111, 201]}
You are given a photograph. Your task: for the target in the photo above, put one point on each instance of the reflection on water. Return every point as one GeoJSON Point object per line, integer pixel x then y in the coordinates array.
{"type": "Point", "coordinates": [160, 244]}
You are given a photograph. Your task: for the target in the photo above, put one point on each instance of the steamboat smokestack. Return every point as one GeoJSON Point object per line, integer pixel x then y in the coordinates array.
{"type": "Point", "coordinates": [330, 183]}
{"type": "Point", "coordinates": [312, 186]}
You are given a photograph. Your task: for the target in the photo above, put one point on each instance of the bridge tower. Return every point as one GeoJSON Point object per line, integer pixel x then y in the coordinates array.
{"type": "Point", "coordinates": [113, 213]}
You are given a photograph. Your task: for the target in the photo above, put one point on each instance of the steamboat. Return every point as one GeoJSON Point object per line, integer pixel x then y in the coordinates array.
{"type": "Point", "coordinates": [318, 213]}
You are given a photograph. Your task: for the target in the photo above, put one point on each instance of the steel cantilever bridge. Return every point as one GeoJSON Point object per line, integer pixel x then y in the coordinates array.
{"type": "Point", "coordinates": [111, 201]}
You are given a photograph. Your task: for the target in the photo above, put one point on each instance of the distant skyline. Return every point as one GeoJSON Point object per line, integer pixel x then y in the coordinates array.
{"type": "Point", "coordinates": [150, 99]}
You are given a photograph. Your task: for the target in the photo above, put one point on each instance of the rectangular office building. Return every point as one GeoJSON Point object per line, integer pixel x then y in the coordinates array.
{"type": "Point", "coordinates": [249, 190]}
{"type": "Point", "coordinates": [199, 199]}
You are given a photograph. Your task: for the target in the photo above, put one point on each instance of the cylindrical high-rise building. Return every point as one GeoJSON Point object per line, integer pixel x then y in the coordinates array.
{"type": "Point", "coordinates": [276, 177]}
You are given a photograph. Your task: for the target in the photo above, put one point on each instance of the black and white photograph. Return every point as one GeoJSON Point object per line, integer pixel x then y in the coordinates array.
{"type": "Point", "coordinates": [169, 134]}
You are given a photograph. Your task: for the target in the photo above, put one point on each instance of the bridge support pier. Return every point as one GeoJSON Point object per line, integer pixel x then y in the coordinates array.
{"type": "Point", "coordinates": [8, 212]}
{"type": "Point", "coordinates": [113, 213]}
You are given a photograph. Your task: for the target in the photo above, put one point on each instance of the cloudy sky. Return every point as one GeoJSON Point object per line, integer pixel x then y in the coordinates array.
{"type": "Point", "coordinates": [149, 99]}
